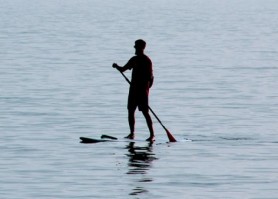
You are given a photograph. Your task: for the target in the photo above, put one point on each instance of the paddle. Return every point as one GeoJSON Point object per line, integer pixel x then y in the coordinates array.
{"type": "Point", "coordinates": [170, 136]}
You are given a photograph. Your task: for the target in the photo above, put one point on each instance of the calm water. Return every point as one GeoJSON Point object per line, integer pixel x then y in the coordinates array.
{"type": "Point", "coordinates": [215, 66]}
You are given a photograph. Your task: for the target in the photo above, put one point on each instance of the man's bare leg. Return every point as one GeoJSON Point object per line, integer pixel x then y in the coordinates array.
{"type": "Point", "coordinates": [131, 121]}
{"type": "Point", "coordinates": [150, 124]}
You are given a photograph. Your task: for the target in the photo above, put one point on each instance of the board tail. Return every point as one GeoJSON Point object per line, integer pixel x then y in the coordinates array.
{"type": "Point", "coordinates": [85, 140]}
{"type": "Point", "coordinates": [108, 137]}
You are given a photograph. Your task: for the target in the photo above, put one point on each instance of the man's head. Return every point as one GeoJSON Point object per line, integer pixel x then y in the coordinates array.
{"type": "Point", "coordinates": [139, 46]}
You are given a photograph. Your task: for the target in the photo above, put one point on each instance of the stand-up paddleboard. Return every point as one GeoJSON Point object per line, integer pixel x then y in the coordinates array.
{"type": "Point", "coordinates": [107, 138]}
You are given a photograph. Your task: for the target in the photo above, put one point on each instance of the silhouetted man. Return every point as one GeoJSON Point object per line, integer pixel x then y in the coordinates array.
{"type": "Point", "coordinates": [141, 82]}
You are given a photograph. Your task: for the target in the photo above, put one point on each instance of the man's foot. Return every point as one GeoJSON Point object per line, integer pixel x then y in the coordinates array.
{"type": "Point", "coordinates": [130, 136]}
{"type": "Point", "coordinates": [151, 139]}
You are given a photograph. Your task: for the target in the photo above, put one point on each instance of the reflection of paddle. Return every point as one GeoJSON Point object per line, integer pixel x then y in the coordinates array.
{"type": "Point", "coordinates": [170, 136]}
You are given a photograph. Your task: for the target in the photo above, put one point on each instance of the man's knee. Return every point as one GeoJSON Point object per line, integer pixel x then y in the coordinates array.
{"type": "Point", "coordinates": [146, 112]}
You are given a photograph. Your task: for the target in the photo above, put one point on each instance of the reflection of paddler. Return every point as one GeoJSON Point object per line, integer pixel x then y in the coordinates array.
{"type": "Point", "coordinates": [140, 158]}
{"type": "Point", "coordinates": [141, 82]}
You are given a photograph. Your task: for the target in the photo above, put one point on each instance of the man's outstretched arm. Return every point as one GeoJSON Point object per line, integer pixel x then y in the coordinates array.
{"type": "Point", "coordinates": [120, 68]}
{"type": "Point", "coordinates": [129, 65]}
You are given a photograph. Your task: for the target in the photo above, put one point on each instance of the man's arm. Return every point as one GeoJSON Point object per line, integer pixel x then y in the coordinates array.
{"type": "Point", "coordinates": [151, 82]}
{"type": "Point", "coordinates": [150, 72]}
{"type": "Point", "coordinates": [129, 65]}
{"type": "Point", "coordinates": [120, 68]}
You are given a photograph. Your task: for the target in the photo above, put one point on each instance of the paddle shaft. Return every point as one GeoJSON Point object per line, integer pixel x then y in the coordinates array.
{"type": "Point", "coordinates": [170, 136]}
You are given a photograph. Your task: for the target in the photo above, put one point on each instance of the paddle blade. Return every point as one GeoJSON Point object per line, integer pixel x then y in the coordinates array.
{"type": "Point", "coordinates": [170, 136]}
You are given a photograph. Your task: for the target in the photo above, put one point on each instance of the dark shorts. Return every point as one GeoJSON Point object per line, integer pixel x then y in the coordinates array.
{"type": "Point", "coordinates": [138, 98]}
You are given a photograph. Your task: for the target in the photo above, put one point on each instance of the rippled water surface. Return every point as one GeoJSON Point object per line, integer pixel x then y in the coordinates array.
{"type": "Point", "coordinates": [215, 67]}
